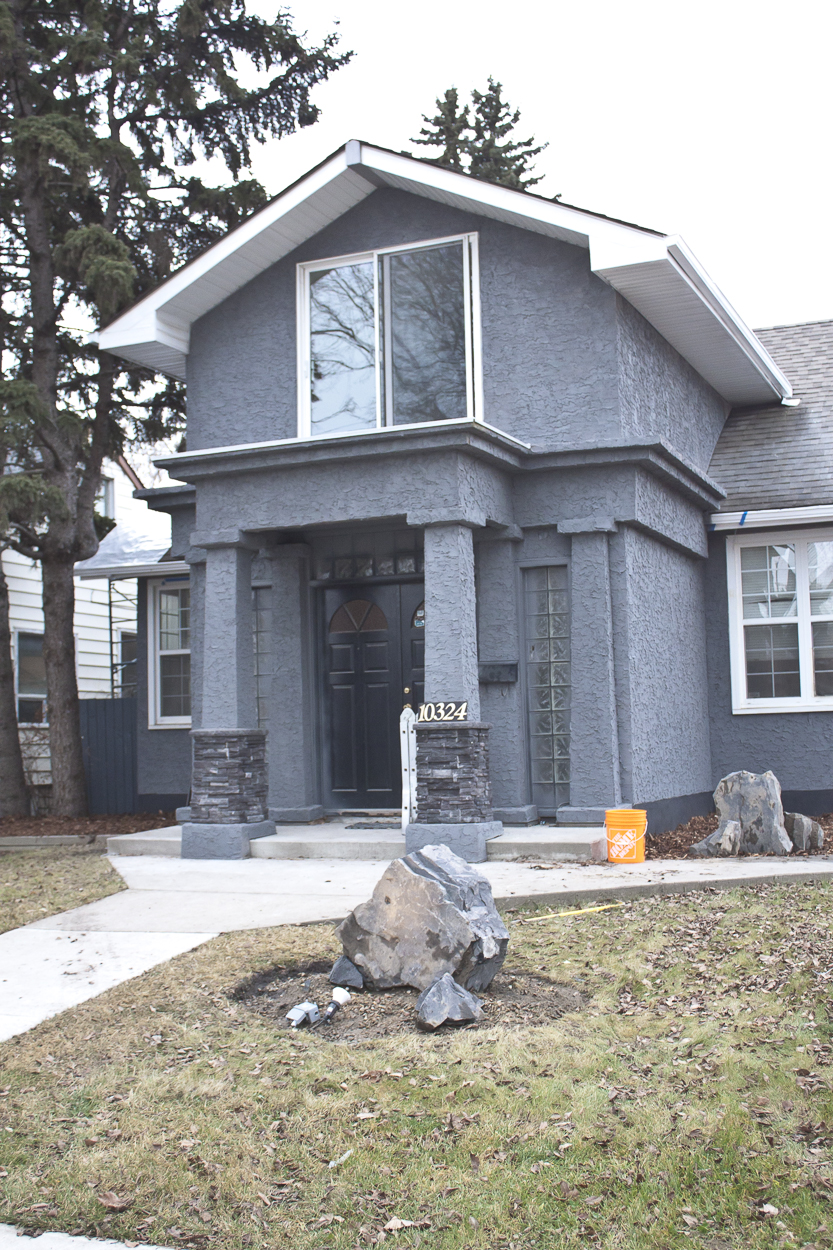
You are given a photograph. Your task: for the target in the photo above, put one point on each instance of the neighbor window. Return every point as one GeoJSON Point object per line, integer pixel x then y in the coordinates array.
{"type": "Point", "coordinates": [31, 680]}
{"type": "Point", "coordinates": [388, 338]}
{"type": "Point", "coordinates": [170, 654]}
{"type": "Point", "coordinates": [781, 621]}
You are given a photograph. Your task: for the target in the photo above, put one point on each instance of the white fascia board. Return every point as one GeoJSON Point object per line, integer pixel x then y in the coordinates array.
{"type": "Point", "coordinates": [767, 518]}
{"type": "Point", "coordinates": [657, 274]}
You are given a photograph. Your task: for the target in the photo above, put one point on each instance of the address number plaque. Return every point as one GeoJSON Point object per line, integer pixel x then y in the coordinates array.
{"type": "Point", "coordinates": [443, 711]}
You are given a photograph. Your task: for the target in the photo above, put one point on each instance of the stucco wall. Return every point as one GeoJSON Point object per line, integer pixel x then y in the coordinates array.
{"type": "Point", "coordinates": [660, 395]}
{"type": "Point", "coordinates": [163, 756]}
{"type": "Point", "coordinates": [667, 701]}
{"type": "Point", "coordinates": [797, 746]}
{"type": "Point", "coordinates": [549, 332]}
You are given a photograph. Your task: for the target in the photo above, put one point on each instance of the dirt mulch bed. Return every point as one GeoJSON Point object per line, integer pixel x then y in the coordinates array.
{"type": "Point", "coordinates": [676, 842]}
{"type": "Point", "coordinates": [82, 826]}
{"type": "Point", "coordinates": [513, 998]}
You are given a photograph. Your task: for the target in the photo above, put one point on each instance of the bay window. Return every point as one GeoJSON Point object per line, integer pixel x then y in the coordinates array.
{"type": "Point", "coordinates": [781, 621]}
{"type": "Point", "coordinates": [389, 337]}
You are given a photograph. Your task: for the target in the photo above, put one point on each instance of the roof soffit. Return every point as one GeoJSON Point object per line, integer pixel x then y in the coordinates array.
{"type": "Point", "coordinates": [655, 273]}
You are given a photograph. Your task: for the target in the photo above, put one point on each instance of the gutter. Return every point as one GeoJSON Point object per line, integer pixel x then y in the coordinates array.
{"type": "Point", "coordinates": [766, 518]}
{"type": "Point", "coordinates": [119, 572]}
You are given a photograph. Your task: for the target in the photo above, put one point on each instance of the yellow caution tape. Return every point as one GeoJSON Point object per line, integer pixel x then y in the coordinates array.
{"type": "Point", "coordinates": [581, 912]}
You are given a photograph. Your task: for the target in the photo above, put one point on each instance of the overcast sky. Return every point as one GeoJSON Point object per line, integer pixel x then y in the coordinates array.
{"type": "Point", "coordinates": [711, 120]}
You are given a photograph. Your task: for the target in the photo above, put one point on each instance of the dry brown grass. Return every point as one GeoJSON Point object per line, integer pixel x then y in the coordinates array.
{"type": "Point", "coordinates": [39, 883]}
{"type": "Point", "coordinates": [688, 1105]}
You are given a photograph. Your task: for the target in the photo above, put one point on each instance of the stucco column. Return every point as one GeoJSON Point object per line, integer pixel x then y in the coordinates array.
{"type": "Point", "coordinates": [594, 736]}
{"type": "Point", "coordinates": [229, 774]}
{"type": "Point", "coordinates": [450, 617]}
{"type": "Point", "coordinates": [292, 755]}
{"type": "Point", "coordinates": [454, 799]}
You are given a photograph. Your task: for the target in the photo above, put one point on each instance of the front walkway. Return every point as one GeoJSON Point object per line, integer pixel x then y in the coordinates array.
{"type": "Point", "coordinates": [173, 905]}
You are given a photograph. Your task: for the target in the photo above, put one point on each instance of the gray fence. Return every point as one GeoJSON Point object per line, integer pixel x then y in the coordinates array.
{"type": "Point", "coordinates": [108, 734]}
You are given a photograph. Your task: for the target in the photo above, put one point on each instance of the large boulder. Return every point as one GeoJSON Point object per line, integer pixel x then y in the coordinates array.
{"type": "Point", "coordinates": [431, 913]}
{"type": "Point", "coordinates": [805, 834]}
{"type": "Point", "coordinates": [754, 801]}
{"type": "Point", "coordinates": [446, 1000]}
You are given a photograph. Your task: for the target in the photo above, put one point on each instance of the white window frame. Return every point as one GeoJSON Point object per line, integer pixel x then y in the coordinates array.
{"type": "Point", "coordinates": [155, 719]}
{"type": "Point", "coordinates": [742, 705]}
{"type": "Point", "coordinates": [474, 341]}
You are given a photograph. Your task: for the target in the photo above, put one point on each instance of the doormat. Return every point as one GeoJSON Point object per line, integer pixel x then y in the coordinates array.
{"type": "Point", "coordinates": [376, 824]}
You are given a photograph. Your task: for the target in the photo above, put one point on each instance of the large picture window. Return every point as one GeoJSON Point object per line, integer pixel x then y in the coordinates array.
{"type": "Point", "coordinates": [389, 338]}
{"type": "Point", "coordinates": [781, 621]}
{"type": "Point", "coordinates": [169, 631]}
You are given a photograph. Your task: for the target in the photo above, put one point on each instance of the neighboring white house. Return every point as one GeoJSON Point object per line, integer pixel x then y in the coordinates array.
{"type": "Point", "coordinates": [105, 618]}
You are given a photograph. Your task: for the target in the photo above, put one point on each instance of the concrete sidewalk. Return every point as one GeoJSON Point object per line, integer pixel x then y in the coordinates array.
{"type": "Point", "coordinates": [10, 1239]}
{"type": "Point", "coordinates": [174, 905]}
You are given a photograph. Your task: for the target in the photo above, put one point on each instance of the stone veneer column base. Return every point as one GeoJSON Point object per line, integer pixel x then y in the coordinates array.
{"type": "Point", "coordinates": [228, 794]}
{"type": "Point", "coordinates": [454, 796]}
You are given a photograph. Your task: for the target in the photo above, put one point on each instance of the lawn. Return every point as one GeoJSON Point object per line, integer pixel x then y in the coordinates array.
{"type": "Point", "coordinates": [687, 1103]}
{"type": "Point", "coordinates": [39, 883]}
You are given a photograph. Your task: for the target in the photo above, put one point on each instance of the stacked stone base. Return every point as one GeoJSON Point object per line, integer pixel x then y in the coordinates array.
{"type": "Point", "coordinates": [454, 796]}
{"type": "Point", "coordinates": [228, 794]}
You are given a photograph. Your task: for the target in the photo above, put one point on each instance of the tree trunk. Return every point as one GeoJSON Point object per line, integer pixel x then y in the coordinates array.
{"type": "Point", "coordinates": [14, 799]}
{"type": "Point", "coordinates": [69, 786]}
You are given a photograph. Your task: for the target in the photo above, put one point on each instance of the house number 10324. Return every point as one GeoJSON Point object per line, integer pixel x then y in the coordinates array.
{"type": "Point", "coordinates": [443, 711]}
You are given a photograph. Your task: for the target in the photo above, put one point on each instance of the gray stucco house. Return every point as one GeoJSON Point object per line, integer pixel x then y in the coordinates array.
{"type": "Point", "coordinates": [454, 442]}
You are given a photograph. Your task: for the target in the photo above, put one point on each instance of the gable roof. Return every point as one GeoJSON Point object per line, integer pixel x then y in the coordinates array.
{"type": "Point", "coordinates": [777, 457]}
{"type": "Point", "coordinates": [656, 273]}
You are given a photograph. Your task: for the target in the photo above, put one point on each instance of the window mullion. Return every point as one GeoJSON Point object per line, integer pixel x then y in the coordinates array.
{"type": "Point", "coordinates": [381, 415]}
{"type": "Point", "coordinates": [805, 631]}
{"type": "Point", "coordinates": [467, 328]}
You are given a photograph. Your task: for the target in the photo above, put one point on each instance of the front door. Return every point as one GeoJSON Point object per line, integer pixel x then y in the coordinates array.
{"type": "Point", "coordinates": [373, 650]}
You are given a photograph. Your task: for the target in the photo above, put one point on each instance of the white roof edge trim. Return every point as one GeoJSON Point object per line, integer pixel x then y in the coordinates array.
{"type": "Point", "coordinates": [764, 518]}
{"type": "Point", "coordinates": [158, 336]}
{"type": "Point", "coordinates": [115, 572]}
{"type": "Point", "coordinates": [743, 335]}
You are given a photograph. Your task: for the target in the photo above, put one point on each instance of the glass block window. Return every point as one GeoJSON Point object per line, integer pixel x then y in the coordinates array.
{"type": "Point", "coordinates": [781, 627]}
{"type": "Point", "coordinates": [547, 603]}
{"type": "Point", "coordinates": [262, 626]}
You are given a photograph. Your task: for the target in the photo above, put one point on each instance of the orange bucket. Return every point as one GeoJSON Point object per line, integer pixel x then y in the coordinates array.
{"type": "Point", "coordinates": [626, 835]}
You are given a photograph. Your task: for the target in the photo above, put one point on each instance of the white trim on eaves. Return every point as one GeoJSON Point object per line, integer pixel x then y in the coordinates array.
{"type": "Point", "coordinates": [656, 273]}
{"type": "Point", "coordinates": [767, 518]}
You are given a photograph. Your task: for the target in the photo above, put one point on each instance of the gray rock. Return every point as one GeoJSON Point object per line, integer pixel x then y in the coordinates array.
{"type": "Point", "coordinates": [804, 833]}
{"type": "Point", "coordinates": [430, 913]}
{"type": "Point", "coordinates": [724, 841]}
{"type": "Point", "coordinates": [754, 800]}
{"type": "Point", "coordinates": [446, 1000]}
{"type": "Point", "coordinates": [346, 973]}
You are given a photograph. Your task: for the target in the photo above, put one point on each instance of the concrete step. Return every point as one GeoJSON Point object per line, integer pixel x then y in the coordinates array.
{"type": "Point", "coordinates": [151, 842]}
{"type": "Point", "coordinates": [336, 841]}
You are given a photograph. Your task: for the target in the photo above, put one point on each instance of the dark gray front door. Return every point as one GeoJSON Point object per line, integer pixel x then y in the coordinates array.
{"type": "Point", "coordinates": [373, 649]}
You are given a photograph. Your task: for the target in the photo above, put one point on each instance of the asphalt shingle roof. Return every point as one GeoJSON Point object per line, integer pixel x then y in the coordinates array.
{"type": "Point", "coordinates": [783, 457]}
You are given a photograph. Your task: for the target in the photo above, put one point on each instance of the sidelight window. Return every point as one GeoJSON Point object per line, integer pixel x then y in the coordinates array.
{"type": "Point", "coordinates": [781, 621]}
{"type": "Point", "coordinates": [389, 338]}
{"type": "Point", "coordinates": [170, 653]}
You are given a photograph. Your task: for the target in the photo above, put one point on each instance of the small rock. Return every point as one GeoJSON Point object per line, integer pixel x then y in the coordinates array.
{"type": "Point", "coordinates": [805, 833]}
{"type": "Point", "coordinates": [346, 973]}
{"type": "Point", "coordinates": [446, 1000]}
{"type": "Point", "coordinates": [724, 841]}
{"type": "Point", "coordinates": [754, 800]}
{"type": "Point", "coordinates": [430, 913]}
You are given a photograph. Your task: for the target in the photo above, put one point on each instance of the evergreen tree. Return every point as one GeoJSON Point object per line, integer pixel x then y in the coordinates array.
{"type": "Point", "coordinates": [105, 104]}
{"type": "Point", "coordinates": [494, 156]}
{"type": "Point", "coordinates": [480, 143]}
{"type": "Point", "coordinates": [448, 129]}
